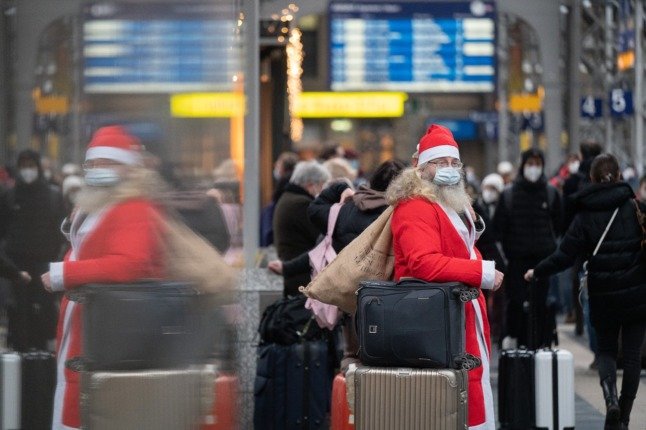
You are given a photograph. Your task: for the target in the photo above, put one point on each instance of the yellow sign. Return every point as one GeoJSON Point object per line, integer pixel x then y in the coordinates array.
{"type": "Point", "coordinates": [625, 60]}
{"type": "Point", "coordinates": [519, 103]}
{"type": "Point", "coordinates": [207, 105]}
{"type": "Point", "coordinates": [350, 105]}
{"type": "Point", "coordinates": [52, 105]}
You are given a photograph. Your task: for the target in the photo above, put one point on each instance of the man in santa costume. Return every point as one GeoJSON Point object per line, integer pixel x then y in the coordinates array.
{"type": "Point", "coordinates": [114, 239]}
{"type": "Point", "coordinates": [434, 232]}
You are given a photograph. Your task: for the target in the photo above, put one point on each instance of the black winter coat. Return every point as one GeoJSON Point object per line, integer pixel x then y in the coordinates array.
{"type": "Point", "coordinates": [528, 220]}
{"type": "Point", "coordinates": [294, 233]}
{"type": "Point", "coordinates": [30, 221]}
{"type": "Point", "coordinates": [487, 244]}
{"type": "Point", "coordinates": [617, 274]}
{"type": "Point", "coordinates": [354, 216]}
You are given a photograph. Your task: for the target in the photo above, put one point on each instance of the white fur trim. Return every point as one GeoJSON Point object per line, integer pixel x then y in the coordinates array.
{"type": "Point", "coordinates": [490, 419]}
{"type": "Point", "coordinates": [438, 152]}
{"type": "Point", "coordinates": [124, 156]}
{"type": "Point", "coordinates": [488, 274]}
{"type": "Point", "coordinates": [56, 276]}
{"type": "Point", "coordinates": [61, 383]}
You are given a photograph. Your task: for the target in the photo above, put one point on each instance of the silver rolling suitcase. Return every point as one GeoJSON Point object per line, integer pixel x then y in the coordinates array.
{"type": "Point", "coordinates": [147, 399]}
{"type": "Point", "coordinates": [554, 389]}
{"type": "Point", "coordinates": [407, 399]}
{"type": "Point", "coordinates": [10, 386]}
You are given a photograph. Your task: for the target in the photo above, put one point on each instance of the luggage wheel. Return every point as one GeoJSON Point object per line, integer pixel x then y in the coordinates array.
{"type": "Point", "coordinates": [468, 294]}
{"type": "Point", "coordinates": [468, 362]}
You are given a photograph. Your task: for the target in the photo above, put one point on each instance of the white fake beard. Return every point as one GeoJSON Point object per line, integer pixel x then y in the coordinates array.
{"type": "Point", "coordinates": [93, 199]}
{"type": "Point", "coordinates": [452, 196]}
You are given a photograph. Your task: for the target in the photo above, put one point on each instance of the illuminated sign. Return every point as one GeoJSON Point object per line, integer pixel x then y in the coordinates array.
{"type": "Point", "coordinates": [416, 46]}
{"type": "Point", "coordinates": [519, 103]}
{"type": "Point", "coordinates": [207, 105]}
{"type": "Point", "coordinates": [350, 105]}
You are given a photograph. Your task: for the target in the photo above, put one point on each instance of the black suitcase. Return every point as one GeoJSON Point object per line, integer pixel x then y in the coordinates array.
{"type": "Point", "coordinates": [414, 323]}
{"type": "Point", "coordinates": [38, 386]}
{"type": "Point", "coordinates": [140, 326]}
{"type": "Point", "coordinates": [516, 403]}
{"type": "Point", "coordinates": [293, 386]}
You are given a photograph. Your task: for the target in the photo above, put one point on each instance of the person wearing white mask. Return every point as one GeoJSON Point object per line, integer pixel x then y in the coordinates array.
{"type": "Point", "coordinates": [30, 216]}
{"type": "Point", "coordinates": [527, 222]}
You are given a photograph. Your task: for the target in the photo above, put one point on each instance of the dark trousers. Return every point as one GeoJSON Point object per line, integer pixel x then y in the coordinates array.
{"type": "Point", "coordinates": [632, 337]}
{"type": "Point", "coordinates": [517, 313]}
{"type": "Point", "coordinates": [31, 312]}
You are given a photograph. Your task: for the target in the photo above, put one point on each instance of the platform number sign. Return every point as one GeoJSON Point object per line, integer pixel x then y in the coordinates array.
{"type": "Point", "coordinates": [621, 102]}
{"type": "Point", "coordinates": [591, 107]}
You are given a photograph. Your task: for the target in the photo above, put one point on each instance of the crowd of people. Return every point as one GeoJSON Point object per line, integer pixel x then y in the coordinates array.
{"type": "Point", "coordinates": [520, 235]}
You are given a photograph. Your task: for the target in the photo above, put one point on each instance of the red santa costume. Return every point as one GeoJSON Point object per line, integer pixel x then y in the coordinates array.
{"type": "Point", "coordinates": [115, 244]}
{"type": "Point", "coordinates": [433, 242]}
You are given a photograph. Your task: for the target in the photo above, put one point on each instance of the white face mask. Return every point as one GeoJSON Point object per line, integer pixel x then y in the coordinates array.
{"type": "Point", "coordinates": [573, 167]}
{"type": "Point", "coordinates": [29, 174]}
{"type": "Point", "coordinates": [532, 173]}
{"type": "Point", "coordinates": [101, 177]}
{"type": "Point", "coordinates": [489, 196]}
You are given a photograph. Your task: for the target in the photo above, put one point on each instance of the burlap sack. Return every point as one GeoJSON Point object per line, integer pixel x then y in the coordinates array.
{"type": "Point", "coordinates": [368, 257]}
{"type": "Point", "coordinates": [191, 258]}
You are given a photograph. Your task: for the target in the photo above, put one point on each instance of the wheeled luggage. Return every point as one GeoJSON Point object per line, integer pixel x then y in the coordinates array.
{"type": "Point", "coordinates": [340, 418]}
{"type": "Point", "coordinates": [145, 400]}
{"type": "Point", "coordinates": [408, 399]}
{"type": "Point", "coordinates": [10, 386]}
{"type": "Point", "coordinates": [516, 389]}
{"type": "Point", "coordinates": [38, 386]}
{"type": "Point", "coordinates": [293, 386]}
{"type": "Point", "coordinates": [414, 323]}
{"type": "Point", "coordinates": [554, 392]}
{"type": "Point", "coordinates": [148, 325]}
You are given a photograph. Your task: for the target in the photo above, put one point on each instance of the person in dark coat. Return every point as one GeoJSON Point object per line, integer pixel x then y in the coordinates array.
{"type": "Point", "coordinates": [31, 214]}
{"type": "Point", "coordinates": [294, 233]}
{"type": "Point", "coordinates": [616, 279]}
{"type": "Point", "coordinates": [527, 222]}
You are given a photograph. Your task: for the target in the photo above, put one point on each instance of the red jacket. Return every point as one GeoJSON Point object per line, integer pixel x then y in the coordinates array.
{"type": "Point", "coordinates": [428, 246]}
{"type": "Point", "coordinates": [119, 245]}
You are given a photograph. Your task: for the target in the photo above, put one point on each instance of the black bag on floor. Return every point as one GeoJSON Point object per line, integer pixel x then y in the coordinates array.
{"type": "Point", "coordinates": [293, 386]}
{"type": "Point", "coordinates": [414, 323]}
{"type": "Point", "coordinates": [38, 386]}
{"type": "Point", "coordinates": [140, 326]}
{"type": "Point", "coordinates": [286, 321]}
{"type": "Point", "coordinates": [516, 381]}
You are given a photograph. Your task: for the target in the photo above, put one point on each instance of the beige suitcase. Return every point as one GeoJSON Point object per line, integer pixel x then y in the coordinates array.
{"type": "Point", "coordinates": [407, 399]}
{"type": "Point", "coordinates": [146, 399]}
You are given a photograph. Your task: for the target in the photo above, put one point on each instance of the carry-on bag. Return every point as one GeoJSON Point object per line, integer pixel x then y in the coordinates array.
{"type": "Point", "coordinates": [554, 389]}
{"type": "Point", "coordinates": [146, 400]}
{"type": "Point", "coordinates": [516, 389]}
{"type": "Point", "coordinates": [38, 386]}
{"type": "Point", "coordinates": [340, 418]}
{"type": "Point", "coordinates": [414, 323]}
{"type": "Point", "coordinates": [408, 399]}
{"type": "Point", "coordinates": [10, 386]}
{"type": "Point", "coordinates": [148, 325]}
{"type": "Point", "coordinates": [293, 386]}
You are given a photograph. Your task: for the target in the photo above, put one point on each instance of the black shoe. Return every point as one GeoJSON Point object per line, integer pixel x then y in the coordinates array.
{"type": "Point", "coordinates": [613, 412]}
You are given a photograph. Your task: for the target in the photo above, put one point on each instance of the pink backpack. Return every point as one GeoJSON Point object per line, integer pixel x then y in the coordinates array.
{"type": "Point", "coordinates": [327, 316]}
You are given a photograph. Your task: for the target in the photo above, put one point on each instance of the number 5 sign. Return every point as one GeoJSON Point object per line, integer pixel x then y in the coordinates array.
{"type": "Point", "coordinates": [621, 102]}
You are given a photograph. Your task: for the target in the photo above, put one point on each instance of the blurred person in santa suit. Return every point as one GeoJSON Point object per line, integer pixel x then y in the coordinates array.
{"type": "Point", "coordinates": [114, 235]}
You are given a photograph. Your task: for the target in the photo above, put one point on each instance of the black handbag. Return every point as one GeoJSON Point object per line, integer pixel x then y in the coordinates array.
{"type": "Point", "coordinates": [414, 323]}
{"type": "Point", "coordinates": [287, 321]}
{"type": "Point", "coordinates": [141, 326]}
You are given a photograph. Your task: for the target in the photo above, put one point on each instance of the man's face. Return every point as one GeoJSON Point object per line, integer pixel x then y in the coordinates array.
{"type": "Point", "coordinates": [429, 169]}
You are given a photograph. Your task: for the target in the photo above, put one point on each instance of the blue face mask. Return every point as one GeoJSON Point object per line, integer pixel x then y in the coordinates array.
{"type": "Point", "coordinates": [101, 177]}
{"type": "Point", "coordinates": [447, 176]}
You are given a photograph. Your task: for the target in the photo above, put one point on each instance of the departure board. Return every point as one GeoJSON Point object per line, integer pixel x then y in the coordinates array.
{"type": "Point", "coordinates": [159, 47]}
{"type": "Point", "coordinates": [415, 46]}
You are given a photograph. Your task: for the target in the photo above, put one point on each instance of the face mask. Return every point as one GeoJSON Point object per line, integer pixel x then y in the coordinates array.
{"type": "Point", "coordinates": [573, 167]}
{"type": "Point", "coordinates": [489, 196]}
{"type": "Point", "coordinates": [532, 173]}
{"type": "Point", "coordinates": [447, 176]}
{"type": "Point", "coordinates": [47, 174]}
{"type": "Point", "coordinates": [29, 174]}
{"type": "Point", "coordinates": [101, 177]}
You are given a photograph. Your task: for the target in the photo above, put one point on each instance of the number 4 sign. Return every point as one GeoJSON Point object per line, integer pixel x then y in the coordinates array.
{"type": "Point", "coordinates": [591, 107]}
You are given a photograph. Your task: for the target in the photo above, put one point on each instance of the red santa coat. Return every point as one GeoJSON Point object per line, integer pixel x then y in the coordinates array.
{"type": "Point", "coordinates": [119, 244]}
{"type": "Point", "coordinates": [433, 243]}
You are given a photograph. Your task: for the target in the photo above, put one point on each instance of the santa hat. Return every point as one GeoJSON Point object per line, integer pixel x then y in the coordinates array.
{"type": "Point", "coordinates": [115, 143]}
{"type": "Point", "coordinates": [438, 142]}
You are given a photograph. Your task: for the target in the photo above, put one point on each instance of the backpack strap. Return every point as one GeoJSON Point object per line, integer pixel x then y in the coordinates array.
{"type": "Point", "coordinates": [332, 217]}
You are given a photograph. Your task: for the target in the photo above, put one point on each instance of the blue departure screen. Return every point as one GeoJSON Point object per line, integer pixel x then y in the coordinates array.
{"type": "Point", "coordinates": [423, 46]}
{"type": "Point", "coordinates": [159, 48]}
